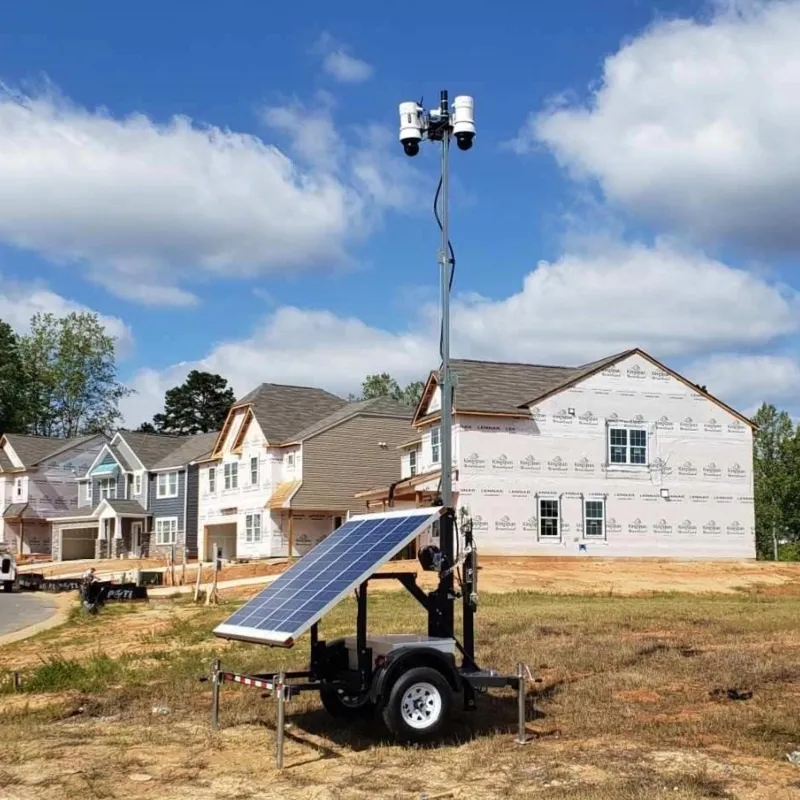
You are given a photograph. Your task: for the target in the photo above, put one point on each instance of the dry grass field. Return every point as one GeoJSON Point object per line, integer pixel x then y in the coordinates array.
{"type": "Point", "coordinates": [632, 701]}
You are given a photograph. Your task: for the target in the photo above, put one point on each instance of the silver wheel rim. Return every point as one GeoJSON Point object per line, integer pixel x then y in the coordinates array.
{"type": "Point", "coordinates": [421, 706]}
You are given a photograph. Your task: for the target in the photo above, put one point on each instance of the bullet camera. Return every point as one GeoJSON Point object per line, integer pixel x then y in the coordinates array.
{"type": "Point", "coordinates": [411, 126]}
{"type": "Point", "coordinates": [464, 121]}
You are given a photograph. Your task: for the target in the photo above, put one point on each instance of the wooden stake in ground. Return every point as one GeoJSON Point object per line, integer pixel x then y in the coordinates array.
{"type": "Point", "coordinates": [211, 593]}
{"type": "Point", "coordinates": [183, 566]}
{"type": "Point", "coordinates": [197, 581]}
{"type": "Point", "coordinates": [172, 563]}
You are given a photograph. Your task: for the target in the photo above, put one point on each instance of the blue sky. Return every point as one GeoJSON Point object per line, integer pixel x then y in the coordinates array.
{"type": "Point", "coordinates": [224, 186]}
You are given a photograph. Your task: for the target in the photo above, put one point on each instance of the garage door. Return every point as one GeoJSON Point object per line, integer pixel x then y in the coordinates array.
{"type": "Point", "coordinates": [78, 543]}
{"type": "Point", "coordinates": [225, 537]}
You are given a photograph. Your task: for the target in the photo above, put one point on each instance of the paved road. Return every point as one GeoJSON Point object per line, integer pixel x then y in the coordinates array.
{"type": "Point", "coordinates": [20, 610]}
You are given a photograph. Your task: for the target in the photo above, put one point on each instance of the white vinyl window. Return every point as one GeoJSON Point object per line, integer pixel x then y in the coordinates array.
{"type": "Point", "coordinates": [594, 519]}
{"type": "Point", "coordinates": [254, 471]}
{"type": "Point", "coordinates": [231, 473]}
{"type": "Point", "coordinates": [290, 460]}
{"type": "Point", "coordinates": [167, 485]}
{"type": "Point", "coordinates": [212, 480]}
{"type": "Point", "coordinates": [88, 492]}
{"type": "Point", "coordinates": [549, 519]}
{"type": "Point", "coordinates": [166, 530]}
{"type": "Point", "coordinates": [137, 483]}
{"type": "Point", "coordinates": [436, 444]}
{"type": "Point", "coordinates": [18, 487]}
{"type": "Point", "coordinates": [412, 462]}
{"type": "Point", "coordinates": [252, 532]}
{"type": "Point", "coordinates": [108, 488]}
{"type": "Point", "coordinates": [627, 446]}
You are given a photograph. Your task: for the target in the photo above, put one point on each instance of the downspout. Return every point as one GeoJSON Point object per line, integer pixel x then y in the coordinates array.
{"type": "Point", "coordinates": [391, 493]}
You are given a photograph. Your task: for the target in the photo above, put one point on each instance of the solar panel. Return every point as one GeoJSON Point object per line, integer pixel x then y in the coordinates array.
{"type": "Point", "coordinates": [292, 603]}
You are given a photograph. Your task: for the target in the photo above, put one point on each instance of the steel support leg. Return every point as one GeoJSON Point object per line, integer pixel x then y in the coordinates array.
{"type": "Point", "coordinates": [215, 686]}
{"type": "Point", "coordinates": [280, 695]}
{"type": "Point", "coordinates": [522, 736]}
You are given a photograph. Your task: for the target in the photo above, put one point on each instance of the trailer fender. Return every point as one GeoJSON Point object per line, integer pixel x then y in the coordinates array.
{"type": "Point", "coordinates": [404, 659]}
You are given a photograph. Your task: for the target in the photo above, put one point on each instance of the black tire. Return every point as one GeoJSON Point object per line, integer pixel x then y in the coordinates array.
{"type": "Point", "coordinates": [8, 586]}
{"type": "Point", "coordinates": [344, 706]}
{"type": "Point", "coordinates": [418, 705]}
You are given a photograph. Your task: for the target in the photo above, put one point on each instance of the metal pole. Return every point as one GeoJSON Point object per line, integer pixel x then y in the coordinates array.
{"type": "Point", "coordinates": [281, 697]}
{"type": "Point", "coordinates": [522, 737]}
{"type": "Point", "coordinates": [774, 543]}
{"type": "Point", "coordinates": [445, 270]}
{"type": "Point", "coordinates": [215, 682]}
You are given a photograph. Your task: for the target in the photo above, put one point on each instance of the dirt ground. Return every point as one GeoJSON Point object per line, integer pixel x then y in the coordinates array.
{"type": "Point", "coordinates": [633, 662]}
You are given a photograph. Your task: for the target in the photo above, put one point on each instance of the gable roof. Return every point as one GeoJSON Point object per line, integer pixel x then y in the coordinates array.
{"type": "Point", "coordinates": [376, 407]}
{"type": "Point", "coordinates": [284, 411]}
{"type": "Point", "coordinates": [192, 448]}
{"type": "Point", "coordinates": [33, 449]}
{"type": "Point", "coordinates": [150, 448]}
{"type": "Point", "coordinates": [505, 388]}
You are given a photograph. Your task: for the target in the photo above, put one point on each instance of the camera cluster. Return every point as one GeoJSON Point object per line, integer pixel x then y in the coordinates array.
{"type": "Point", "coordinates": [416, 123]}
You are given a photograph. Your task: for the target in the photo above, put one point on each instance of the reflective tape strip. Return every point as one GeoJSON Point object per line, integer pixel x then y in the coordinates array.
{"type": "Point", "coordinates": [232, 676]}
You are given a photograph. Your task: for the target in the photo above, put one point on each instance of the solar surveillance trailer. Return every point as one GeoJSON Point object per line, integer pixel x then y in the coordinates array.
{"type": "Point", "coordinates": [409, 681]}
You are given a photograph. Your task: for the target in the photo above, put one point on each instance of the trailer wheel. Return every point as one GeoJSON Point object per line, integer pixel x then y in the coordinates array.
{"type": "Point", "coordinates": [418, 705]}
{"type": "Point", "coordinates": [8, 586]}
{"type": "Point", "coordinates": [345, 706]}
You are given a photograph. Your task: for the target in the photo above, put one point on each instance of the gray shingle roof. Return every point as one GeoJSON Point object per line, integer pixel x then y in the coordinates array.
{"type": "Point", "coordinates": [283, 411]}
{"type": "Point", "coordinates": [5, 461]}
{"type": "Point", "coordinates": [127, 506]}
{"type": "Point", "coordinates": [150, 448]}
{"type": "Point", "coordinates": [33, 449]}
{"type": "Point", "coordinates": [15, 510]}
{"type": "Point", "coordinates": [377, 407]}
{"type": "Point", "coordinates": [501, 387]}
{"type": "Point", "coordinates": [121, 458]}
{"type": "Point", "coordinates": [192, 449]}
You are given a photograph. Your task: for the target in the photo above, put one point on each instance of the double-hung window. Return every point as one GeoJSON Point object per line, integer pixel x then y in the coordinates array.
{"type": "Point", "coordinates": [594, 519]}
{"type": "Point", "coordinates": [252, 529]}
{"type": "Point", "coordinates": [254, 471]}
{"type": "Point", "coordinates": [167, 484]}
{"type": "Point", "coordinates": [108, 488]}
{"type": "Point", "coordinates": [89, 492]}
{"type": "Point", "coordinates": [412, 462]}
{"type": "Point", "coordinates": [137, 483]}
{"type": "Point", "coordinates": [166, 530]}
{"type": "Point", "coordinates": [436, 444]}
{"type": "Point", "coordinates": [627, 446]}
{"type": "Point", "coordinates": [231, 474]}
{"type": "Point", "coordinates": [549, 527]}
{"type": "Point", "coordinates": [212, 480]}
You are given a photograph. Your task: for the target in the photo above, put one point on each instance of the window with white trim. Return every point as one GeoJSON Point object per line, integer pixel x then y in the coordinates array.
{"type": "Point", "coordinates": [252, 528]}
{"type": "Point", "coordinates": [166, 485]}
{"type": "Point", "coordinates": [412, 462]}
{"type": "Point", "coordinates": [549, 519]}
{"type": "Point", "coordinates": [254, 471]}
{"type": "Point", "coordinates": [137, 483]}
{"type": "Point", "coordinates": [594, 519]}
{"type": "Point", "coordinates": [231, 474]}
{"type": "Point", "coordinates": [436, 444]}
{"type": "Point", "coordinates": [290, 460]}
{"type": "Point", "coordinates": [108, 488]}
{"type": "Point", "coordinates": [166, 530]}
{"type": "Point", "coordinates": [18, 487]}
{"type": "Point", "coordinates": [212, 480]}
{"type": "Point", "coordinates": [89, 492]}
{"type": "Point", "coordinates": [627, 446]}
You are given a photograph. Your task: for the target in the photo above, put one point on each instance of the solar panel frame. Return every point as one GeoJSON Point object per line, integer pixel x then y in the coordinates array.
{"type": "Point", "coordinates": [315, 564]}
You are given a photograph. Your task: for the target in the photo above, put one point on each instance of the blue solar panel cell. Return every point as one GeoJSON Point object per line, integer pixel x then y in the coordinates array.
{"type": "Point", "coordinates": [293, 602]}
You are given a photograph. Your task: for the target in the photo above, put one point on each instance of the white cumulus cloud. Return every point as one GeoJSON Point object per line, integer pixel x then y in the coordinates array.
{"type": "Point", "coordinates": [693, 126]}
{"type": "Point", "coordinates": [142, 207]}
{"type": "Point", "coordinates": [339, 63]}
{"type": "Point", "coordinates": [20, 300]}
{"type": "Point", "coordinates": [678, 305]}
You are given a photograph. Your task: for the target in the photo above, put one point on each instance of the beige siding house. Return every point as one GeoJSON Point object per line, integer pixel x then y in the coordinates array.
{"type": "Point", "coordinates": [287, 464]}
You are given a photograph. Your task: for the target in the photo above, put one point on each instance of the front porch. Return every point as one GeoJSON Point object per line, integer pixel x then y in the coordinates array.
{"type": "Point", "coordinates": [114, 529]}
{"type": "Point", "coordinates": [25, 532]}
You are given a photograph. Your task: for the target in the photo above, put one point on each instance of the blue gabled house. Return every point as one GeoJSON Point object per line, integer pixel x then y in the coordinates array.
{"type": "Point", "coordinates": [137, 499]}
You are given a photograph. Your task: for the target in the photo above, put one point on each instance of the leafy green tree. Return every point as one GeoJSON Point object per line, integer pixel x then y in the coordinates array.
{"type": "Point", "coordinates": [70, 372]}
{"type": "Point", "coordinates": [146, 427]}
{"type": "Point", "coordinates": [13, 395]}
{"type": "Point", "coordinates": [776, 456]}
{"type": "Point", "coordinates": [199, 405]}
{"type": "Point", "coordinates": [384, 385]}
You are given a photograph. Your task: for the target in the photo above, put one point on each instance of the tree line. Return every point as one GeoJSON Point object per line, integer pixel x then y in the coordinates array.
{"type": "Point", "coordinates": [60, 379]}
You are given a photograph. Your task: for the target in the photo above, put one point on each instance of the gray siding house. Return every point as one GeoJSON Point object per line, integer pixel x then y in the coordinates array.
{"type": "Point", "coordinates": [133, 498]}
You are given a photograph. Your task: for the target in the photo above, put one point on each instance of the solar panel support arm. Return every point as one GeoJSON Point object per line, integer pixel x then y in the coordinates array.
{"type": "Point", "coordinates": [364, 652]}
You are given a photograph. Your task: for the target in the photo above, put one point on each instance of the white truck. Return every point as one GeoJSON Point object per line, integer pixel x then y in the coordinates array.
{"type": "Point", "coordinates": [8, 571]}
